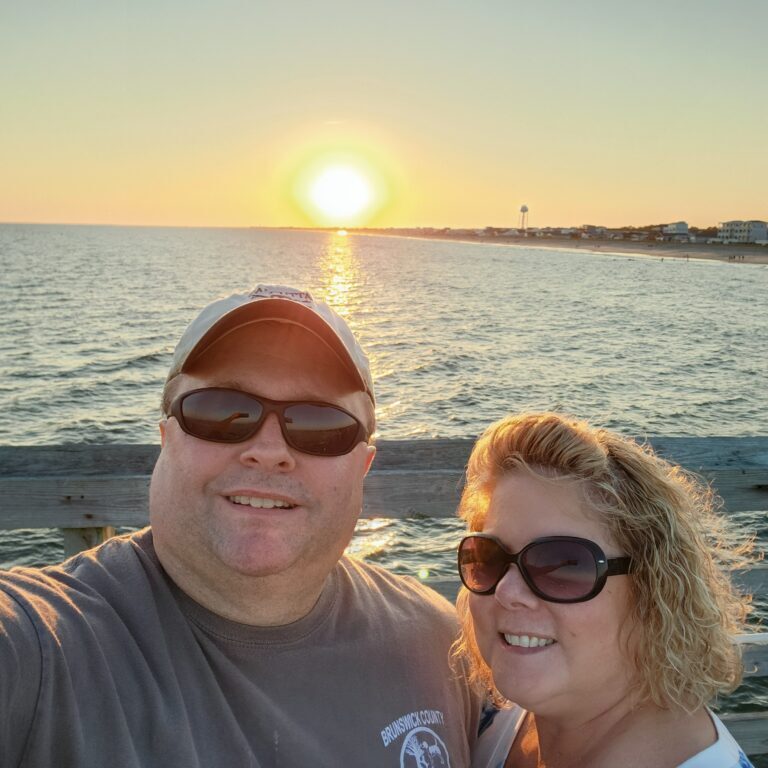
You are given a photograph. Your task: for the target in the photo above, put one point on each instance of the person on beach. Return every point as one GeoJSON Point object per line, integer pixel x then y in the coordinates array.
{"type": "Point", "coordinates": [594, 599]}
{"type": "Point", "coordinates": [234, 631]}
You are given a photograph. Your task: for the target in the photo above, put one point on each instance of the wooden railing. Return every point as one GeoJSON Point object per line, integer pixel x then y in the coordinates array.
{"type": "Point", "coordinates": [89, 490]}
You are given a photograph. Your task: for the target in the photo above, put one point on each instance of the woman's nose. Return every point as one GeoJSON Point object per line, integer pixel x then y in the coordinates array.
{"type": "Point", "coordinates": [512, 589]}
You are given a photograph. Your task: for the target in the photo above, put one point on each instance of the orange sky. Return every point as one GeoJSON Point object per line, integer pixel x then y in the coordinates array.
{"type": "Point", "coordinates": [457, 113]}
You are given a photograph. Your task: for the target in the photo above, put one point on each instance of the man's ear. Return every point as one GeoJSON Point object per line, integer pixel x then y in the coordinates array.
{"type": "Point", "coordinates": [162, 425]}
{"type": "Point", "coordinates": [369, 458]}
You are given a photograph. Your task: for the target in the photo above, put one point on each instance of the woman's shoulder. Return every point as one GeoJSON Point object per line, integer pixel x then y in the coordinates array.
{"type": "Point", "coordinates": [724, 753]}
{"type": "Point", "coordinates": [498, 728]}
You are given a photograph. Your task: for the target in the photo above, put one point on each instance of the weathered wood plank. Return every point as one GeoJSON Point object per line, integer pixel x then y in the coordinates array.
{"type": "Point", "coordinates": [750, 729]}
{"type": "Point", "coordinates": [80, 502]}
{"type": "Point", "coordinates": [77, 460]}
{"type": "Point", "coordinates": [740, 489]}
{"type": "Point", "coordinates": [695, 453]}
{"type": "Point", "coordinates": [410, 493]}
{"type": "Point", "coordinates": [755, 580]}
{"type": "Point", "coordinates": [410, 477]}
{"type": "Point", "coordinates": [87, 501]}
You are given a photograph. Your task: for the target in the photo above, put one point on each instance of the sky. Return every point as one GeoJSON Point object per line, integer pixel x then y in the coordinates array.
{"type": "Point", "coordinates": [453, 114]}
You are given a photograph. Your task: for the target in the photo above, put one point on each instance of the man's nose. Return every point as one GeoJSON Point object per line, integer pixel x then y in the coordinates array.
{"type": "Point", "coordinates": [267, 448]}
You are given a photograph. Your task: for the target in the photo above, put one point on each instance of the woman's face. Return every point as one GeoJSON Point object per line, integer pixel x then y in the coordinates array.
{"type": "Point", "coordinates": [585, 665]}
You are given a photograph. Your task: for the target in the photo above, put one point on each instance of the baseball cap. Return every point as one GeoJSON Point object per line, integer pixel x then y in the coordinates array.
{"type": "Point", "coordinates": [273, 302]}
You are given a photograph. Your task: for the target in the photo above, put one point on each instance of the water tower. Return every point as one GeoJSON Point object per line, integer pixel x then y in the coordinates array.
{"type": "Point", "coordinates": [523, 217]}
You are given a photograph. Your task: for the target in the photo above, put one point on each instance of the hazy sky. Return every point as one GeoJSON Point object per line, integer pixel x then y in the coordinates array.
{"type": "Point", "coordinates": [191, 113]}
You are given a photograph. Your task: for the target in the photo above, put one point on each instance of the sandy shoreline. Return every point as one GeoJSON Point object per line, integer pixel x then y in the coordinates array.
{"type": "Point", "coordinates": [735, 254]}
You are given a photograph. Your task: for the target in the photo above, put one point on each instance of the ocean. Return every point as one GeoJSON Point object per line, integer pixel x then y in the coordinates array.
{"type": "Point", "coordinates": [459, 334]}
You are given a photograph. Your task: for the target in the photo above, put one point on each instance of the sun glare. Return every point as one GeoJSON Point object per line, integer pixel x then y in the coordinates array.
{"type": "Point", "coordinates": [341, 188]}
{"type": "Point", "coordinates": [341, 192]}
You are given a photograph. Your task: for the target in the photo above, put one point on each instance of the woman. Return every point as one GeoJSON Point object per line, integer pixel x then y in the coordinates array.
{"type": "Point", "coordinates": [595, 600]}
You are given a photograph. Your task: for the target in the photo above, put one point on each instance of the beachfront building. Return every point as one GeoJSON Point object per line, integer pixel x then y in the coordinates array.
{"type": "Point", "coordinates": [678, 228]}
{"type": "Point", "coordinates": [677, 232]}
{"type": "Point", "coordinates": [742, 231]}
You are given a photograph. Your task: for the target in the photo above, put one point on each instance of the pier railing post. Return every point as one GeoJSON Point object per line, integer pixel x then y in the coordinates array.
{"type": "Point", "coordinates": [79, 539]}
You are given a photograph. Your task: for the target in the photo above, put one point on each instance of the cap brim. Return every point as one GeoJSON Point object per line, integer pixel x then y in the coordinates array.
{"type": "Point", "coordinates": [275, 309]}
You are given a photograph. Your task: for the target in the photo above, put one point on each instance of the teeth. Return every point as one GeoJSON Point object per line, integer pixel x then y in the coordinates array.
{"type": "Point", "coordinates": [528, 641]}
{"type": "Point", "coordinates": [260, 503]}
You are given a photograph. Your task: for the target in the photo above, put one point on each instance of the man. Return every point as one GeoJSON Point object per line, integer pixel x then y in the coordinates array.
{"type": "Point", "coordinates": [233, 631]}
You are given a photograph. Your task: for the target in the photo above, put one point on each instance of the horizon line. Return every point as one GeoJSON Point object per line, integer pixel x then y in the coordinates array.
{"type": "Point", "coordinates": [315, 228]}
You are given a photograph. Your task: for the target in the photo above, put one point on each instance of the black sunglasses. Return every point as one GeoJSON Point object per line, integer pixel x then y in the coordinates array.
{"type": "Point", "coordinates": [231, 416]}
{"type": "Point", "coordinates": [559, 569]}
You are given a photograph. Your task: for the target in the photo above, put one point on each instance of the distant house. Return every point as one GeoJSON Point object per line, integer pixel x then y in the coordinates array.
{"type": "Point", "coordinates": [627, 234]}
{"type": "Point", "coordinates": [676, 232]}
{"type": "Point", "coordinates": [678, 228]}
{"type": "Point", "coordinates": [742, 231]}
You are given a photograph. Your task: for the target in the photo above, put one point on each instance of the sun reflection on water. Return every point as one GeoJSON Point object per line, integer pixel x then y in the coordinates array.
{"type": "Point", "coordinates": [340, 277]}
{"type": "Point", "coordinates": [373, 537]}
{"type": "Point", "coordinates": [343, 285]}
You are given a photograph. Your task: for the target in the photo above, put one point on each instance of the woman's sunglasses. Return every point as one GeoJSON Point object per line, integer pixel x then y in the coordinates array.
{"type": "Point", "coordinates": [559, 569]}
{"type": "Point", "coordinates": [231, 416]}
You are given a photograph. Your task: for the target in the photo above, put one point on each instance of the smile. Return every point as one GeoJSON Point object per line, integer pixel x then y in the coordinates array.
{"type": "Point", "coordinates": [260, 502]}
{"type": "Point", "coordinates": [528, 641]}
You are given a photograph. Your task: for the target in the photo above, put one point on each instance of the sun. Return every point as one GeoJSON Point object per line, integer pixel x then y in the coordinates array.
{"type": "Point", "coordinates": [340, 188]}
{"type": "Point", "coordinates": [341, 192]}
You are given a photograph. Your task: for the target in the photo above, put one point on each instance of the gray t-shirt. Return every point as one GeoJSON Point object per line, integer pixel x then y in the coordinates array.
{"type": "Point", "coordinates": [105, 662]}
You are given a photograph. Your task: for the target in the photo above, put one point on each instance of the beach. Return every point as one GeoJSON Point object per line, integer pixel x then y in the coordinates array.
{"type": "Point", "coordinates": [745, 253]}
{"type": "Point", "coordinates": [738, 254]}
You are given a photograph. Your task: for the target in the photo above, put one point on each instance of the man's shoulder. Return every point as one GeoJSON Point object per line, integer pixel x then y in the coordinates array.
{"type": "Point", "coordinates": [79, 581]}
{"type": "Point", "coordinates": [115, 553]}
{"type": "Point", "coordinates": [118, 552]}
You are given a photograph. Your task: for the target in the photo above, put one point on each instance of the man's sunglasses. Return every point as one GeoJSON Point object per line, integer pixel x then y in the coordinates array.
{"type": "Point", "coordinates": [559, 569]}
{"type": "Point", "coordinates": [231, 416]}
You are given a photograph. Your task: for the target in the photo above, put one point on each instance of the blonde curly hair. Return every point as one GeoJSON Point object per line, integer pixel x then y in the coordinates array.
{"type": "Point", "coordinates": [684, 607]}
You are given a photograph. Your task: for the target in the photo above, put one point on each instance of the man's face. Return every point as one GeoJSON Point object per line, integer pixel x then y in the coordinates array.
{"type": "Point", "coordinates": [259, 508]}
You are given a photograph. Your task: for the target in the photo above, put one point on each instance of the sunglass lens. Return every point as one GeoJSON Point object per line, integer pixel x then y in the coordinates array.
{"type": "Point", "coordinates": [564, 570]}
{"type": "Point", "coordinates": [320, 429]}
{"type": "Point", "coordinates": [220, 415]}
{"type": "Point", "coordinates": [482, 563]}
